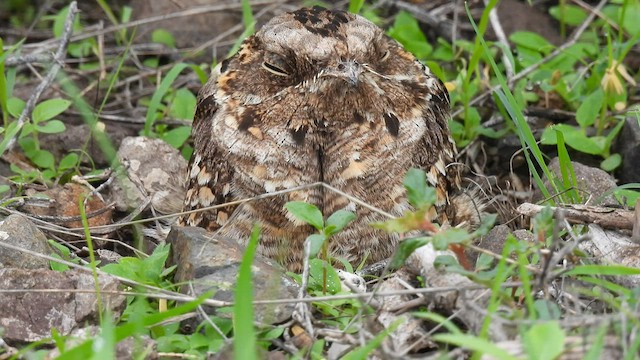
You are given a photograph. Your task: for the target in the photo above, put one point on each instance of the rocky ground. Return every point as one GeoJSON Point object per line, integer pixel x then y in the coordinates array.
{"type": "Point", "coordinates": [130, 206]}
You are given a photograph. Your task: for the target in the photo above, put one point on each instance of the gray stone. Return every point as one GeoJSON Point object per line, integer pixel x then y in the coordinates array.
{"type": "Point", "coordinates": [213, 262]}
{"type": "Point", "coordinates": [18, 231]}
{"type": "Point", "coordinates": [51, 299]}
{"type": "Point", "coordinates": [495, 239]}
{"type": "Point", "coordinates": [153, 169]}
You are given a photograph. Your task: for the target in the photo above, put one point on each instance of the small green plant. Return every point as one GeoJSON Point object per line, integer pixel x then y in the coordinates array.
{"type": "Point", "coordinates": [310, 214]}
{"type": "Point", "coordinates": [63, 253]}
{"type": "Point", "coordinates": [180, 104]}
{"type": "Point", "coordinates": [149, 270]}
{"type": "Point", "coordinates": [42, 122]}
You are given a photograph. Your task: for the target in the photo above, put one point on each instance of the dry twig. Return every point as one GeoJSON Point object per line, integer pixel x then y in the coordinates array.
{"type": "Point", "coordinates": [608, 218]}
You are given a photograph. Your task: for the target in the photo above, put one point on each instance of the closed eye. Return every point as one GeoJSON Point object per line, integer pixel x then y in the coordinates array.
{"type": "Point", "coordinates": [385, 56]}
{"type": "Point", "coordinates": [274, 69]}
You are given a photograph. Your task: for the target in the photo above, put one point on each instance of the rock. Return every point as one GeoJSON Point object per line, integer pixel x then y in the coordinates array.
{"type": "Point", "coordinates": [62, 202]}
{"type": "Point", "coordinates": [17, 230]}
{"type": "Point", "coordinates": [495, 239]}
{"type": "Point", "coordinates": [592, 182]}
{"type": "Point", "coordinates": [628, 145]}
{"type": "Point", "coordinates": [30, 315]}
{"type": "Point", "coordinates": [153, 167]}
{"type": "Point", "coordinates": [212, 262]}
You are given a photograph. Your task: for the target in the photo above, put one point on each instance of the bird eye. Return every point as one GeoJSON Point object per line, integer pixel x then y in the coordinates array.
{"type": "Point", "coordinates": [274, 69]}
{"type": "Point", "coordinates": [385, 56]}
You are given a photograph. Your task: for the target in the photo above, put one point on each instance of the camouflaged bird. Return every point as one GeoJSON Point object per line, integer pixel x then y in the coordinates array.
{"type": "Point", "coordinates": [318, 95]}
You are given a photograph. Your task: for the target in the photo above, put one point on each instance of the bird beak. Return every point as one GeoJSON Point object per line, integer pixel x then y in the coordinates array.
{"type": "Point", "coordinates": [349, 71]}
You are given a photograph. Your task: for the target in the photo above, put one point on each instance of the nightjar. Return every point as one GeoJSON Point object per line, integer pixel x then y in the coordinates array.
{"type": "Point", "coordinates": [318, 95]}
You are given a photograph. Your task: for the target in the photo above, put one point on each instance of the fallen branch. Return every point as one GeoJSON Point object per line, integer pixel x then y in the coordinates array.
{"type": "Point", "coordinates": [608, 218]}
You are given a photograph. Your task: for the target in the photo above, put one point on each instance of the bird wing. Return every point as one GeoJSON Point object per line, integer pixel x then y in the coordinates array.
{"type": "Point", "coordinates": [210, 174]}
{"type": "Point", "coordinates": [438, 150]}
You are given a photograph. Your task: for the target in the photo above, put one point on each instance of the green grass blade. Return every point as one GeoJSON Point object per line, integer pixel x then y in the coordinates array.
{"type": "Point", "coordinates": [355, 6]}
{"type": "Point", "coordinates": [92, 256]}
{"type": "Point", "coordinates": [527, 140]}
{"type": "Point", "coordinates": [617, 270]}
{"type": "Point", "coordinates": [566, 169]}
{"type": "Point", "coordinates": [3, 87]}
{"type": "Point", "coordinates": [249, 26]}
{"type": "Point", "coordinates": [244, 334]}
{"type": "Point", "coordinates": [156, 99]}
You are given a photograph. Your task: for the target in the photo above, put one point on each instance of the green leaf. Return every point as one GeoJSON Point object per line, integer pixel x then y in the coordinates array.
{"type": "Point", "coordinates": [15, 106]}
{"type": "Point", "coordinates": [544, 341]}
{"type": "Point", "coordinates": [406, 31]}
{"type": "Point", "coordinates": [611, 163]}
{"type": "Point", "coordinates": [48, 109]}
{"type": "Point", "coordinates": [405, 249]}
{"type": "Point", "coordinates": [62, 253]}
{"type": "Point", "coordinates": [410, 220]}
{"type": "Point", "coordinates": [338, 221]}
{"type": "Point", "coordinates": [531, 40]}
{"type": "Point", "coordinates": [315, 241]}
{"type": "Point", "coordinates": [575, 138]}
{"type": "Point", "coordinates": [419, 194]}
{"type": "Point", "coordinates": [162, 36]}
{"type": "Point", "coordinates": [43, 159]}
{"type": "Point", "coordinates": [631, 16]}
{"type": "Point", "coordinates": [244, 343]}
{"type": "Point", "coordinates": [589, 110]}
{"type": "Point", "coordinates": [442, 239]}
{"type": "Point", "coordinates": [306, 212]}
{"type": "Point", "coordinates": [50, 127]}
{"type": "Point", "coordinates": [68, 162]}
{"type": "Point", "coordinates": [153, 265]}
{"type": "Point", "coordinates": [629, 195]}
{"type": "Point", "coordinates": [183, 105]}
{"type": "Point", "coordinates": [569, 14]}
{"type": "Point", "coordinates": [177, 137]}
{"type": "Point", "coordinates": [317, 270]}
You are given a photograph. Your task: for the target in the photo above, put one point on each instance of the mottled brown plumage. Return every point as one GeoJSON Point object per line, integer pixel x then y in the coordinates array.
{"type": "Point", "coordinates": [317, 95]}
